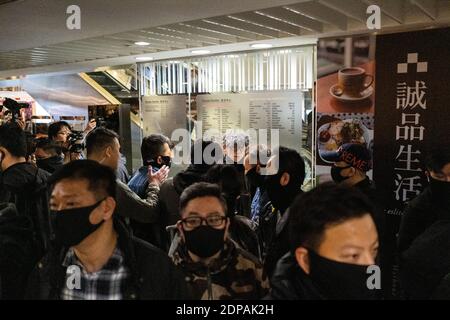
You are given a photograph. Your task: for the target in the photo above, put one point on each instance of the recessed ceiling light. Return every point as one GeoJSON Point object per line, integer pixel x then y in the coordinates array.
{"type": "Point", "coordinates": [141, 43]}
{"type": "Point", "coordinates": [200, 51]}
{"type": "Point", "coordinates": [261, 45]}
{"type": "Point", "coordinates": [144, 58]}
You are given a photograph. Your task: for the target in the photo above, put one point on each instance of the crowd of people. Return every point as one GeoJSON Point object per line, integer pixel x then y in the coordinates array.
{"type": "Point", "coordinates": [74, 225]}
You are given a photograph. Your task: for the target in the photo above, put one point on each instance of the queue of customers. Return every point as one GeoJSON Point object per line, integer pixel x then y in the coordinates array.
{"type": "Point", "coordinates": [75, 226]}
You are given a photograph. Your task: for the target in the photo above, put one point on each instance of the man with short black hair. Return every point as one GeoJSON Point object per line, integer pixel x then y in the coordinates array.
{"type": "Point", "coordinates": [215, 267]}
{"type": "Point", "coordinates": [103, 146]}
{"type": "Point", "coordinates": [23, 183]}
{"type": "Point", "coordinates": [47, 155]}
{"type": "Point", "coordinates": [156, 153]}
{"type": "Point", "coordinates": [283, 179]}
{"type": "Point", "coordinates": [333, 241]}
{"type": "Point", "coordinates": [94, 246]}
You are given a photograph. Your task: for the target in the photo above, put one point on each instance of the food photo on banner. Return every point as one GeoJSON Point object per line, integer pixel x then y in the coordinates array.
{"type": "Point", "coordinates": [345, 98]}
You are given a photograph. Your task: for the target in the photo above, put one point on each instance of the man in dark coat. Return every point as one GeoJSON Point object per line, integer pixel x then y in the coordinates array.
{"type": "Point", "coordinates": [94, 256]}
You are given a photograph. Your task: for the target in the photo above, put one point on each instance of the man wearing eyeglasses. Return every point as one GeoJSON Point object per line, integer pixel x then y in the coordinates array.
{"type": "Point", "coordinates": [215, 267]}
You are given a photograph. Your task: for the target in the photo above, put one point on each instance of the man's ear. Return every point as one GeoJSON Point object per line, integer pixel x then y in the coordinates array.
{"type": "Point", "coordinates": [159, 160]}
{"type": "Point", "coordinates": [285, 178]}
{"type": "Point", "coordinates": [350, 172]}
{"type": "Point", "coordinates": [109, 205]}
{"type": "Point", "coordinates": [302, 257]}
{"type": "Point", "coordinates": [108, 151]}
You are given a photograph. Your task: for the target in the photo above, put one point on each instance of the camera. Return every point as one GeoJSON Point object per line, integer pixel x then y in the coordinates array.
{"type": "Point", "coordinates": [101, 122]}
{"type": "Point", "coordinates": [14, 107]}
{"type": "Point", "coordinates": [76, 142]}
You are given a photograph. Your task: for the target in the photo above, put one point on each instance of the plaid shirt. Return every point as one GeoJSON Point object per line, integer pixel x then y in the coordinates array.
{"type": "Point", "coordinates": [105, 284]}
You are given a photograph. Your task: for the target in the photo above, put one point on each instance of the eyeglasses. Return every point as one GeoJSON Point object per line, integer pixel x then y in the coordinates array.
{"type": "Point", "coordinates": [195, 222]}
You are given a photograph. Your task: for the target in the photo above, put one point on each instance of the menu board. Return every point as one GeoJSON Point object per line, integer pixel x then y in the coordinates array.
{"type": "Point", "coordinates": [218, 113]}
{"type": "Point", "coordinates": [281, 111]}
{"type": "Point", "coordinates": [163, 114]}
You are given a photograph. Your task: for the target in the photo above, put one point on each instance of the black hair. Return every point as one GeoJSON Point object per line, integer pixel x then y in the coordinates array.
{"type": "Point", "coordinates": [291, 162]}
{"type": "Point", "coordinates": [47, 145]}
{"type": "Point", "coordinates": [199, 146]}
{"type": "Point", "coordinates": [326, 205]}
{"type": "Point", "coordinates": [13, 139]}
{"type": "Point", "coordinates": [99, 139]}
{"type": "Point", "coordinates": [227, 178]}
{"type": "Point", "coordinates": [200, 190]}
{"type": "Point", "coordinates": [55, 127]}
{"type": "Point", "coordinates": [101, 179]}
{"type": "Point", "coordinates": [437, 158]}
{"type": "Point", "coordinates": [153, 146]}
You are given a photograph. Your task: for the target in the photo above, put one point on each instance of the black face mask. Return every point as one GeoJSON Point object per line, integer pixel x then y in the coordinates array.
{"type": "Point", "coordinates": [280, 197]}
{"type": "Point", "coordinates": [336, 174]}
{"type": "Point", "coordinates": [165, 161]}
{"type": "Point", "coordinates": [204, 241]}
{"type": "Point", "coordinates": [340, 281]}
{"type": "Point", "coordinates": [441, 193]}
{"type": "Point", "coordinates": [50, 164]}
{"type": "Point", "coordinates": [72, 225]}
{"type": "Point", "coordinates": [254, 178]}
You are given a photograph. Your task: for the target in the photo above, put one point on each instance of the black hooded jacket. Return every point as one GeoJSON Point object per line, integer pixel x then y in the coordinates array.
{"type": "Point", "coordinates": [26, 186]}
{"type": "Point", "coordinates": [17, 252]}
{"type": "Point", "coordinates": [170, 191]}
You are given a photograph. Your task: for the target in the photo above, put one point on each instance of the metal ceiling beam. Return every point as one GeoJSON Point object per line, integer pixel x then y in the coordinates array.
{"type": "Point", "coordinates": [429, 7]}
{"type": "Point", "coordinates": [235, 23]}
{"type": "Point", "coordinates": [282, 27]}
{"type": "Point", "coordinates": [247, 36]}
{"type": "Point", "coordinates": [295, 18]}
{"type": "Point", "coordinates": [353, 8]}
{"type": "Point", "coordinates": [195, 37]}
{"type": "Point", "coordinates": [321, 13]}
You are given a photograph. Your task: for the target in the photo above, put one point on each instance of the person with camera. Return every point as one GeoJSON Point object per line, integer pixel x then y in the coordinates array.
{"type": "Point", "coordinates": [23, 183]}
{"type": "Point", "coordinates": [72, 142]}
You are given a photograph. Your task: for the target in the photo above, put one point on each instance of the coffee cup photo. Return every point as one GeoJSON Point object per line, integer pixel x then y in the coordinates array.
{"type": "Point", "coordinates": [352, 82]}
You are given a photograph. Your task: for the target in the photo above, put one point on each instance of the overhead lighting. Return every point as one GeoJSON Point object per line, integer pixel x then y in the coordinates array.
{"type": "Point", "coordinates": [144, 58]}
{"type": "Point", "coordinates": [200, 51]}
{"type": "Point", "coordinates": [142, 43]}
{"type": "Point", "coordinates": [261, 45]}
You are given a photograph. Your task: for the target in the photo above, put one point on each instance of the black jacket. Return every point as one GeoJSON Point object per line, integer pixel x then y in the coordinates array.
{"type": "Point", "coordinates": [290, 282]}
{"type": "Point", "coordinates": [26, 187]}
{"type": "Point", "coordinates": [420, 214]}
{"type": "Point", "coordinates": [17, 252]}
{"type": "Point", "coordinates": [152, 274]}
{"type": "Point", "coordinates": [426, 262]}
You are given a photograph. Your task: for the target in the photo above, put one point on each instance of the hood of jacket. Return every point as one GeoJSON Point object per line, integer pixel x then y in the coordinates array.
{"type": "Point", "coordinates": [21, 176]}
{"type": "Point", "coordinates": [194, 173]}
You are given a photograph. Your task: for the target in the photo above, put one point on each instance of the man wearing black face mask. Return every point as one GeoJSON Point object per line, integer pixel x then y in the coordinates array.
{"type": "Point", "coordinates": [48, 155]}
{"type": "Point", "coordinates": [253, 163]}
{"type": "Point", "coordinates": [215, 268]}
{"type": "Point", "coordinates": [351, 163]}
{"type": "Point", "coordinates": [432, 204]}
{"type": "Point", "coordinates": [156, 153]}
{"type": "Point", "coordinates": [283, 178]}
{"type": "Point", "coordinates": [94, 256]}
{"type": "Point", "coordinates": [333, 241]}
